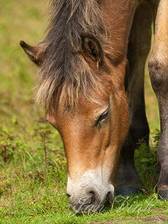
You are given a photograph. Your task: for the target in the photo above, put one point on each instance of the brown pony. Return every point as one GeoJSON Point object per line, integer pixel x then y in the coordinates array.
{"type": "Point", "coordinates": [87, 93]}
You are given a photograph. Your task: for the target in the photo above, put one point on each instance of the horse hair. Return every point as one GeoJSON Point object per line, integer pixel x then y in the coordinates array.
{"type": "Point", "coordinates": [65, 74]}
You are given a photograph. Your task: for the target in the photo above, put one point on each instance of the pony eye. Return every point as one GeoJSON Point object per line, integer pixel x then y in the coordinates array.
{"type": "Point", "coordinates": [102, 117]}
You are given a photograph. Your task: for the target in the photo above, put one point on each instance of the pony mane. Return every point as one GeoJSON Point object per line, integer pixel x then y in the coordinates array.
{"type": "Point", "coordinates": [65, 74]}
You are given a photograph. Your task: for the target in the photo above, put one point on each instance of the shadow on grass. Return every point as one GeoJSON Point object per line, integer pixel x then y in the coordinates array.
{"type": "Point", "coordinates": [147, 165]}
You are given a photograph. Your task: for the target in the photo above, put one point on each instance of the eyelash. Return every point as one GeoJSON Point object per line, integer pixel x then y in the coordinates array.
{"type": "Point", "coordinates": [102, 118]}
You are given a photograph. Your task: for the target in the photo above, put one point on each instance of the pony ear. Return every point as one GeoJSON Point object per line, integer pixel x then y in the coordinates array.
{"type": "Point", "coordinates": [35, 53]}
{"type": "Point", "coordinates": [92, 48]}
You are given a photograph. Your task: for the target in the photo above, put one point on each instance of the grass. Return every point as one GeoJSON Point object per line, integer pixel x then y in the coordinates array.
{"type": "Point", "coordinates": [32, 162]}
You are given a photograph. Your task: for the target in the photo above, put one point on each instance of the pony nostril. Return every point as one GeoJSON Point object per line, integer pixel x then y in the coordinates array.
{"type": "Point", "coordinates": [93, 196]}
{"type": "Point", "coordinates": [109, 197]}
{"type": "Point", "coordinates": [68, 195]}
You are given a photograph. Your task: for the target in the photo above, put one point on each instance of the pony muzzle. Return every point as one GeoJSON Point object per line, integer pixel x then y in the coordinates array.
{"type": "Point", "coordinates": [90, 193]}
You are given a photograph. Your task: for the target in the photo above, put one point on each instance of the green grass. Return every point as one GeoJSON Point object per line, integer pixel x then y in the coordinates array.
{"type": "Point", "coordinates": [32, 162]}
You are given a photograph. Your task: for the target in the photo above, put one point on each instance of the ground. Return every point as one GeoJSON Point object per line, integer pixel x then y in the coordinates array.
{"type": "Point", "coordinates": [32, 163]}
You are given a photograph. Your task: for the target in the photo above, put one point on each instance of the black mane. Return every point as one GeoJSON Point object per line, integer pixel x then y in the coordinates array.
{"type": "Point", "coordinates": [64, 72]}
